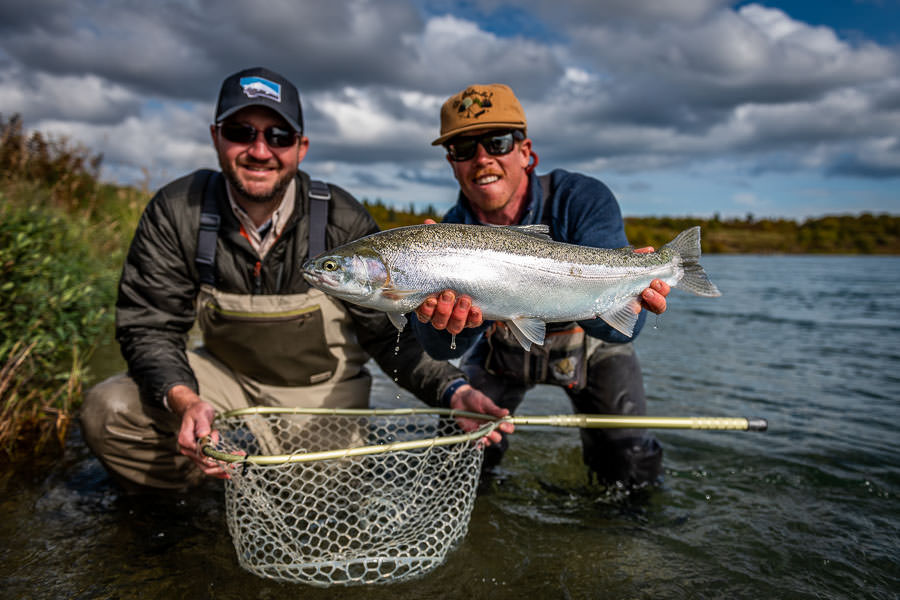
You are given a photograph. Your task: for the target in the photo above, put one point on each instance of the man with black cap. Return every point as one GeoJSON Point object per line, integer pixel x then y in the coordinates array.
{"type": "Point", "coordinates": [484, 132]}
{"type": "Point", "coordinates": [225, 251]}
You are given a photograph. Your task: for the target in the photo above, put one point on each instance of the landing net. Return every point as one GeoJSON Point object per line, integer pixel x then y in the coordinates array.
{"type": "Point", "coordinates": [346, 520]}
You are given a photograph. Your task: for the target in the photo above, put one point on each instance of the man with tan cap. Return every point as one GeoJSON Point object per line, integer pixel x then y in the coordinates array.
{"type": "Point", "coordinates": [484, 132]}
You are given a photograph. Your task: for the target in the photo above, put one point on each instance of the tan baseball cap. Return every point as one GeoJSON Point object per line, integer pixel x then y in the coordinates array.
{"type": "Point", "coordinates": [480, 107]}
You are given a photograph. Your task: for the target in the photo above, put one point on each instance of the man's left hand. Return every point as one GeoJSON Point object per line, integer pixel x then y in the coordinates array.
{"type": "Point", "coordinates": [653, 298]}
{"type": "Point", "coordinates": [470, 399]}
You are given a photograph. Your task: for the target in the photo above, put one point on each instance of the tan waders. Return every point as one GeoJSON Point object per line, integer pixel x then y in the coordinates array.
{"type": "Point", "coordinates": [291, 350]}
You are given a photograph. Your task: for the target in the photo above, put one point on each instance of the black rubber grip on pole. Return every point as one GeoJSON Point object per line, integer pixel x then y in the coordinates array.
{"type": "Point", "coordinates": [757, 424]}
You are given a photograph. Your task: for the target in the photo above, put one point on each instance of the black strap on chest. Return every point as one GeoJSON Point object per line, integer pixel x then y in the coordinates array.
{"type": "Point", "coordinates": [209, 231]}
{"type": "Point", "coordinates": [210, 220]}
{"type": "Point", "coordinates": [319, 195]}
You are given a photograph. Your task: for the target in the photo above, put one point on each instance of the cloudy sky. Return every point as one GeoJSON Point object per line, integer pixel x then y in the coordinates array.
{"type": "Point", "coordinates": [690, 107]}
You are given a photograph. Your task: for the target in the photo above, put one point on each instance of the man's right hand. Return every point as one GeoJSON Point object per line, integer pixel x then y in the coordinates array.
{"type": "Point", "coordinates": [196, 422]}
{"type": "Point", "coordinates": [447, 311]}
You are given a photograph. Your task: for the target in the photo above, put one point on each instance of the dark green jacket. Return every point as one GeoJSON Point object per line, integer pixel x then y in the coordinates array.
{"type": "Point", "coordinates": [155, 309]}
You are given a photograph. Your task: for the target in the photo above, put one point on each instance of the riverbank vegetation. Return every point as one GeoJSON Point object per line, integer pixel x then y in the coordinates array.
{"type": "Point", "coordinates": [62, 239]}
{"type": "Point", "coordinates": [64, 233]}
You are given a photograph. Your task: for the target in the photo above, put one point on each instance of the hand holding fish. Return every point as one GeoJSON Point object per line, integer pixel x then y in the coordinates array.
{"type": "Point", "coordinates": [447, 311]}
{"type": "Point", "coordinates": [653, 297]}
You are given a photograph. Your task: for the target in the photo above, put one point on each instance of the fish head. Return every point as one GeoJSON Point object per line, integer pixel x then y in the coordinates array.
{"type": "Point", "coordinates": [357, 277]}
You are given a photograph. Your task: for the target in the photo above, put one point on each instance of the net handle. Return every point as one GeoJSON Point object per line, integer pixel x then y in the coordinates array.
{"type": "Point", "coordinates": [576, 420]}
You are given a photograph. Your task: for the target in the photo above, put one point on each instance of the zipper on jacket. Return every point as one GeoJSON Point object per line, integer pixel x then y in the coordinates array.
{"type": "Point", "coordinates": [257, 278]}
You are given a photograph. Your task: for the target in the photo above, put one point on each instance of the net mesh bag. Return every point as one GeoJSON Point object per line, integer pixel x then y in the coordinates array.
{"type": "Point", "coordinates": [371, 518]}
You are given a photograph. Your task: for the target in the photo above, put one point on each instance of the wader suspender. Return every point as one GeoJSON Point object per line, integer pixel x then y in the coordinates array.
{"type": "Point", "coordinates": [319, 195]}
{"type": "Point", "coordinates": [209, 231]}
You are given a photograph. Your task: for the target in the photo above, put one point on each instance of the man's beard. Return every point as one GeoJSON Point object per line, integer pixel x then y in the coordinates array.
{"type": "Point", "coordinates": [276, 193]}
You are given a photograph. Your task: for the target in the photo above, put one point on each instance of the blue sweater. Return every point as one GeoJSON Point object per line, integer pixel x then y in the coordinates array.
{"type": "Point", "coordinates": [584, 212]}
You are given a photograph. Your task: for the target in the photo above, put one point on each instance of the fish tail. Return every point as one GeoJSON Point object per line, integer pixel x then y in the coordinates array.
{"type": "Point", "coordinates": [695, 280]}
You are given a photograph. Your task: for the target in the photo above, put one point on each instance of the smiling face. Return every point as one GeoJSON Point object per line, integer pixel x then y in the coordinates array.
{"type": "Point", "coordinates": [496, 186]}
{"type": "Point", "coordinates": [258, 173]}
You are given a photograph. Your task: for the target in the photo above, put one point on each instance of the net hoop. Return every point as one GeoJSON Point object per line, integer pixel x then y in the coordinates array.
{"type": "Point", "coordinates": [348, 519]}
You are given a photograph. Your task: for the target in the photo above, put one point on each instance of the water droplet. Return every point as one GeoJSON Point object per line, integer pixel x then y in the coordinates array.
{"type": "Point", "coordinates": [453, 341]}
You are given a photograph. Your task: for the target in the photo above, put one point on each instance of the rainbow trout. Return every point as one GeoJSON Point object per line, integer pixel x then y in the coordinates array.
{"type": "Point", "coordinates": [515, 274]}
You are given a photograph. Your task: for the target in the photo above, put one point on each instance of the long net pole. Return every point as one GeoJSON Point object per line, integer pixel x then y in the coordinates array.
{"type": "Point", "coordinates": [492, 423]}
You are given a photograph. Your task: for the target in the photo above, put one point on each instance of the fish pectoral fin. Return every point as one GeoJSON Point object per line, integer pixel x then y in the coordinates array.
{"type": "Point", "coordinates": [528, 330]}
{"type": "Point", "coordinates": [392, 293]}
{"type": "Point", "coordinates": [398, 319]}
{"type": "Point", "coordinates": [623, 318]}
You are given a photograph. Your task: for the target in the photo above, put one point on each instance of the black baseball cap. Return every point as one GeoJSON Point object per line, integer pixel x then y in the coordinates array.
{"type": "Point", "coordinates": [260, 87]}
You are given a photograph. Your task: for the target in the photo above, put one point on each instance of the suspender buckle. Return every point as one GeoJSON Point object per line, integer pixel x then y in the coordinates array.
{"type": "Point", "coordinates": [318, 190]}
{"type": "Point", "coordinates": [209, 222]}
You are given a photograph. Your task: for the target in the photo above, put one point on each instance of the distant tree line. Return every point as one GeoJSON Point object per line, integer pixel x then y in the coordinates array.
{"type": "Point", "coordinates": [836, 234]}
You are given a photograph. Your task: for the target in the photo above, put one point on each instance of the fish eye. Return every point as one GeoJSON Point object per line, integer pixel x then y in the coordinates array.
{"type": "Point", "coordinates": [330, 265]}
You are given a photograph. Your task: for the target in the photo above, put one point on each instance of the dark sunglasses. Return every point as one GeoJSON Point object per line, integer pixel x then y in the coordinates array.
{"type": "Point", "coordinates": [241, 133]}
{"type": "Point", "coordinates": [494, 143]}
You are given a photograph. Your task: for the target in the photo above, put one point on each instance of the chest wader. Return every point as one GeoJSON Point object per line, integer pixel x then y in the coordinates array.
{"type": "Point", "coordinates": [284, 349]}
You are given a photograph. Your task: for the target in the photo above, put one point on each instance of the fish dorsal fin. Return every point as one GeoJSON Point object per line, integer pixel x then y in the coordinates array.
{"type": "Point", "coordinates": [528, 331]}
{"type": "Point", "coordinates": [622, 318]}
{"type": "Point", "coordinates": [398, 319]}
{"type": "Point", "coordinates": [538, 231]}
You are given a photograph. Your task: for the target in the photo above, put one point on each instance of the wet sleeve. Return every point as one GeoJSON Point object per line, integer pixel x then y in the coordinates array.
{"type": "Point", "coordinates": [440, 344]}
{"type": "Point", "coordinates": [155, 305]}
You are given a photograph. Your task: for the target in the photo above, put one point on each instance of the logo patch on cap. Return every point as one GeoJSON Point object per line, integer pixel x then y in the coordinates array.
{"type": "Point", "coordinates": [257, 86]}
{"type": "Point", "coordinates": [474, 103]}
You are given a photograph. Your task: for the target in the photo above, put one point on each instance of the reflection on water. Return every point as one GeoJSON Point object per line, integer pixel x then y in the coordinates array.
{"type": "Point", "coordinates": [807, 510]}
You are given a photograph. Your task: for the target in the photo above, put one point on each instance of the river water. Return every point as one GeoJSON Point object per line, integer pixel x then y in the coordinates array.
{"type": "Point", "coordinates": [809, 509]}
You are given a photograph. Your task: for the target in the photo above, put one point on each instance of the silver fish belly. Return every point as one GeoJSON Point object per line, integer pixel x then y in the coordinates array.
{"type": "Point", "coordinates": [517, 274]}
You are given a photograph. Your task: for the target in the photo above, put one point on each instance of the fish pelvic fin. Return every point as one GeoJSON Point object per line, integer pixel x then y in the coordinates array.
{"type": "Point", "coordinates": [398, 319]}
{"type": "Point", "coordinates": [527, 331]}
{"type": "Point", "coordinates": [623, 318]}
{"type": "Point", "coordinates": [695, 280]}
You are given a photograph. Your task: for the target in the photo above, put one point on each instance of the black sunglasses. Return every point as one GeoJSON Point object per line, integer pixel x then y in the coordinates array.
{"type": "Point", "coordinates": [241, 133]}
{"type": "Point", "coordinates": [495, 143]}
